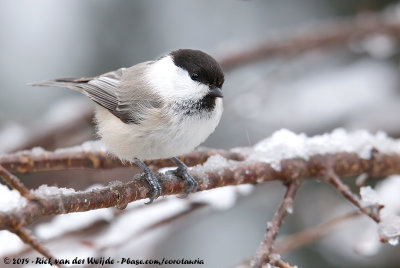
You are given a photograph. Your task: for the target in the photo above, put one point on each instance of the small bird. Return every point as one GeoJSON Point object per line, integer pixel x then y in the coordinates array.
{"type": "Point", "coordinates": [155, 109]}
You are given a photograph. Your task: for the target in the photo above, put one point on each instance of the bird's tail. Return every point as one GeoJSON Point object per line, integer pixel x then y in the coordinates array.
{"type": "Point", "coordinates": [71, 83]}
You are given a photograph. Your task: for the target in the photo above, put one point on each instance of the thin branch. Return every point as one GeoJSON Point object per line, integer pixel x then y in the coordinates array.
{"type": "Point", "coordinates": [237, 172]}
{"type": "Point", "coordinates": [315, 233]}
{"type": "Point", "coordinates": [27, 237]}
{"type": "Point", "coordinates": [15, 183]}
{"type": "Point", "coordinates": [265, 250]}
{"type": "Point", "coordinates": [332, 178]}
{"type": "Point", "coordinates": [322, 37]}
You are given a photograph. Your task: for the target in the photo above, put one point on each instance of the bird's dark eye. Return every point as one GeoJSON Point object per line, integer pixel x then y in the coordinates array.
{"type": "Point", "coordinates": [194, 76]}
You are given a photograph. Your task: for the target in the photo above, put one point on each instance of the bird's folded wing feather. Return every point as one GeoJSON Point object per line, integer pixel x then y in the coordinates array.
{"type": "Point", "coordinates": [124, 92]}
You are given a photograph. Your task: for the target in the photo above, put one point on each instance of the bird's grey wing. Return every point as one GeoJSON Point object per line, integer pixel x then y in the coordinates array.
{"type": "Point", "coordinates": [124, 92]}
{"type": "Point", "coordinates": [134, 94]}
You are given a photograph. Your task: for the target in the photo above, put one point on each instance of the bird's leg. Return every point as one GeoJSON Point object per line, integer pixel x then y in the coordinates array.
{"type": "Point", "coordinates": [151, 179]}
{"type": "Point", "coordinates": [182, 172]}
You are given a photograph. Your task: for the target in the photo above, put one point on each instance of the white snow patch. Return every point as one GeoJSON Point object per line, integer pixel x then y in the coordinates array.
{"type": "Point", "coordinates": [10, 199]}
{"type": "Point", "coordinates": [52, 190]}
{"type": "Point", "coordinates": [37, 151]}
{"type": "Point", "coordinates": [285, 144]}
{"type": "Point", "coordinates": [387, 194]}
{"type": "Point", "coordinates": [289, 209]}
{"type": "Point", "coordinates": [389, 228]}
{"type": "Point", "coordinates": [95, 187]}
{"type": "Point", "coordinates": [369, 197]}
{"type": "Point", "coordinates": [215, 162]}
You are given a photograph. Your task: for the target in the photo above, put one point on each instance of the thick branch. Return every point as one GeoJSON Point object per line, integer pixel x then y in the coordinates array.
{"type": "Point", "coordinates": [238, 172]}
{"type": "Point", "coordinates": [325, 37]}
{"type": "Point", "coordinates": [31, 161]}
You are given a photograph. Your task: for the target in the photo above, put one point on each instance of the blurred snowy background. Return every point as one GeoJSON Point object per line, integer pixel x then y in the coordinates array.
{"type": "Point", "coordinates": [353, 86]}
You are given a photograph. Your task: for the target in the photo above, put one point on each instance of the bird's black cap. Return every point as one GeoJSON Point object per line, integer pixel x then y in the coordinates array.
{"type": "Point", "coordinates": [200, 66]}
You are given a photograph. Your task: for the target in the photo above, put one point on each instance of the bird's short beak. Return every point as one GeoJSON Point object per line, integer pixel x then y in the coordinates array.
{"type": "Point", "coordinates": [215, 92]}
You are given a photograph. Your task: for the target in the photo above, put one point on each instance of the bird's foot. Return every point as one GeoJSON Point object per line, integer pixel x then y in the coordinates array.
{"type": "Point", "coordinates": [182, 172]}
{"type": "Point", "coordinates": [151, 179]}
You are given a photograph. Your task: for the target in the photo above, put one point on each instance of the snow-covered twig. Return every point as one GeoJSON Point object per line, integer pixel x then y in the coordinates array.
{"type": "Point", "coordinates": [332, 35]}
{"type": "Point", "coordinates": [330, 176]}
{"type": "Point", "coordinates": [265, 252]}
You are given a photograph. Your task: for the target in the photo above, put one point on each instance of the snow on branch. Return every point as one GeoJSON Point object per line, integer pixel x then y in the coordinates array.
{"type": "Point", "coordinates": [284, 156]}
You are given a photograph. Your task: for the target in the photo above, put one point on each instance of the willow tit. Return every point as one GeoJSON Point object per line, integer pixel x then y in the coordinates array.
{"type": "Point", "coordinates": [155, 109]}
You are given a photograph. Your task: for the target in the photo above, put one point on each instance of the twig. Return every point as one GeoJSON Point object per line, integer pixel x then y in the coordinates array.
{"type": "Point", "coordinates": [332, 178]}
{"type": "Point", "coordinates": [16, 184]}
{"type": "Point", "coordinates": [27, 237]}
{"type": "Point", "coordinates": [325, 37]}
{"type": "Point", "coordinates": [265, 250]}
{"type": "Point", "coordinates": [315, 233]}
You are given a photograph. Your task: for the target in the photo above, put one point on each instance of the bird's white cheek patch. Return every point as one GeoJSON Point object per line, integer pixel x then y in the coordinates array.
{"type": "Point", "coordinates": [174, 83]}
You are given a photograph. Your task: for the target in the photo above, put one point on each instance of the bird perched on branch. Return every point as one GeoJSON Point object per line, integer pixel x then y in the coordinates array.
{"type": "Point", "coordinates": [155, 109]}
